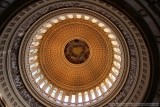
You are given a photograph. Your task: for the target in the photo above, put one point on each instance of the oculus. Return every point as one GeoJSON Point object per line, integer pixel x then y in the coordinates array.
{"type": "Point", "coordinates": [76, 51]}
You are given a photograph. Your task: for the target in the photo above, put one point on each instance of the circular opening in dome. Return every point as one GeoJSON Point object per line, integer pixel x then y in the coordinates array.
{"type": "Point", "coordinates": [76, 51]}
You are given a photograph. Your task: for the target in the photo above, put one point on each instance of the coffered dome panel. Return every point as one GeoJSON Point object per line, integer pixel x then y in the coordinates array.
{"type": "Point", "coordinates": [59, 70]}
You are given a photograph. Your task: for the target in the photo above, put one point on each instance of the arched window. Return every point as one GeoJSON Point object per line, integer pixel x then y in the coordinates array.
{"type": "Point", "coordinates": [38, 37]}
{"type": "Point", "coordinates": [117, 64]}
{"type": "Point", "coordinates": [66, 98]}
{"type": "Point", "coordinates": [34, 65]}
{"type": "Point", "coordinates": [35, 44]}
{"type": "Point", "coordinates": [98, 91]}
{"type": "Point", "coordinates": [43, 83]}
{"type": "Point", "coordinates": [36, 72]}
{"type": "Point", "coordinates": [33, 58]}
{"type": "Point", "coordinates": [60, 95]}
{"type": "Point", "coordinates": [54, 92]}
{"type": "Point", "coordinates": [108, 82]}
{"type": "Point", "coordinates": [103, 87]}
{"type": "Point", "coordinates": [117, 57]}
{"type": "Point", "coordinates": [112, 77]}
{"type": "Point", "coordinates": [92, 94]}
{"type": "Point", "coordinates": [48, 88]}
{"type": "Point", "coordinates": [86, 96]}
{"type": "Point", "coordinates": [115, 71]}
{"type": "Point", "coordinates": [39, 78]}
{"type": "Point", "coordinates": [79, 97]}
{"type": "Point", "coordinates": [117, 50]}
{"type": "Point", "coordinates": [73, 99]}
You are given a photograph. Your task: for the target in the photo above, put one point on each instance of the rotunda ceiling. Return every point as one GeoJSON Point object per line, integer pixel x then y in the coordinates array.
{"type": "Point", "coordinates": [75, 64]}
{"type": "Point", "coordinates": [75, 54]}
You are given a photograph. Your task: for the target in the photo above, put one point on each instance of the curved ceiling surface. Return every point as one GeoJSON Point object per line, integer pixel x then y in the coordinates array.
{"type": "Point", "coordinates": [76, 54]}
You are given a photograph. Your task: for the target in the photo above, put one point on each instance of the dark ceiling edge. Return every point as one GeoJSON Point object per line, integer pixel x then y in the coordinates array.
{"type": "Point", "coordinates": [11, 10]}
{"type": "Point", "coordinates": [153, 45]}
{"type": "Point", "coordinates": [8, 13]}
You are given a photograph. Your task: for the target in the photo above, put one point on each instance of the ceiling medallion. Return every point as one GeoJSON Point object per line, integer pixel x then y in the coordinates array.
{"type": "Point", "coordinates": [76, 51]}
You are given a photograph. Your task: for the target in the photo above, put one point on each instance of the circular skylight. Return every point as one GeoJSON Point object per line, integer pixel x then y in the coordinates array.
{"type": "Point", "coordinates": [76, 51]}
